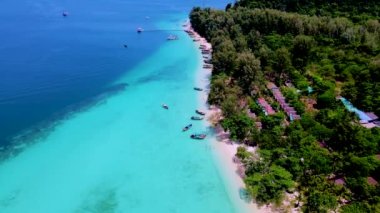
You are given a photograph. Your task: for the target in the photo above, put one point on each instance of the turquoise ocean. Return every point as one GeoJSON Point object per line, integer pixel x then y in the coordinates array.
{"type": "Point", "coordinates": [114, 149]}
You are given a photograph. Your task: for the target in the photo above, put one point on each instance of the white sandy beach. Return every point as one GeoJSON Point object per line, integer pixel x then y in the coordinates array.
{"type": "Point", "coordinates": [223, 149]}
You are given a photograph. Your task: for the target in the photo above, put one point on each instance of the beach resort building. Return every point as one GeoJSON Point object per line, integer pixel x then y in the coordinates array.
{"type": "Point", "coordinates": [267, 109]}
{"type": "Point", "coordinates": [366, 119]}
{"type": "Point", "coordinates": [289, 110]}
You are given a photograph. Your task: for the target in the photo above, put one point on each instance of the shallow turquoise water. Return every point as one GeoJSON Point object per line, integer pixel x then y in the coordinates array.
{"type": "Point", "coordinates": [125, 154]}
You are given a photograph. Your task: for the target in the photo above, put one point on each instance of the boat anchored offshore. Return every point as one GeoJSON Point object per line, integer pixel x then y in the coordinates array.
{"type": "Point", "coordinates": [65, 13]}
{"type": "Point", "coordinates": [172, 38]}
{"type": "Point", "coordinates": [197, 118]}
{"type": "Point", "coordinates": [198, 136]}
{"type": "Point", "coordinates": [198, 89]}
{"type": "Point", "coordinates": [140, 30]}
{"type": "Point", "coordinates": [200, 112]}
{"type": "Point", "coordinates": [165, 106]}
{"type": "Point", "coordinates": [187, 127]}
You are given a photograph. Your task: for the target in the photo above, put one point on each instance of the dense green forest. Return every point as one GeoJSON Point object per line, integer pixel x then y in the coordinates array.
{"type": "Point", "coordinates": [357, 11]}
{"type": "Point", "coordinates": [314, 52]}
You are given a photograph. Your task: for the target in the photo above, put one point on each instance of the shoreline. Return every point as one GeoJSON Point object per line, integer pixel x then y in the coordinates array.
{"type": "Point", "coordinates": [85, 176]}
{"type": "Point", "coordinates": [223, 149]}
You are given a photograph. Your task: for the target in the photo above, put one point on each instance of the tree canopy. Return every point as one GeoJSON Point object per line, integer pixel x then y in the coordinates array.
{"type": "Point", "coordinates": [314, 51]}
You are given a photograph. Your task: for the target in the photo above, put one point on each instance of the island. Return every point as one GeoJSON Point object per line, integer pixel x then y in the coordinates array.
{"type": "Point", "coordinates": [300, 82]}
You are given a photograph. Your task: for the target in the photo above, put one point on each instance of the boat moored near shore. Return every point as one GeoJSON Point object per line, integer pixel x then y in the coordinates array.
{"type": "Point", "coordinates": [197, 118]}
{"type": "Point", "coordinates": [187, 127]}
{"type": "Point", "coordinates": [200, 112]}
{"type": "Point", "coordinates": [207, 60]}
{"type": "Point", "coordinates": [207, 66]}
{"type": "Point", "coordinates": [198, 89]}
{"type": "Point", "coordinates": [198, 136]}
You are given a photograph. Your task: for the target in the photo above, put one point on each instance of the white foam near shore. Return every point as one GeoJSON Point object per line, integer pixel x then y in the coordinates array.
{"type": "Point", "coordinates": [224, 150]}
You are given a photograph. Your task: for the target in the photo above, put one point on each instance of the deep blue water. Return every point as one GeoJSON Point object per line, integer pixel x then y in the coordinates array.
{"type": "Point", "coordinates": [50, 64]}
{"type": "Point", "coordinates": [110, 149]}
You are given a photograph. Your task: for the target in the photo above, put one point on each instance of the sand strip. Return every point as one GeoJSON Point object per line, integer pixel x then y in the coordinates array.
{"type": "Point", "coordinates": [224, 150]}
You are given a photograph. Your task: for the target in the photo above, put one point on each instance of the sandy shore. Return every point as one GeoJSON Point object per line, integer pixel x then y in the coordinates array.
{"type": "Point", "coordinates": [223, 149]}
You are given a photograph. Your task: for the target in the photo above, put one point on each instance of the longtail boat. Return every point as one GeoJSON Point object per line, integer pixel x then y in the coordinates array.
{"type": "Point", "coordinates": [187, 127]}
{"type": "Point", "coordinates": [200, 112]}
{"type": "Point", "coordinates": [198, 136]}
{"type": "Point", "coordinates": [197, 118]}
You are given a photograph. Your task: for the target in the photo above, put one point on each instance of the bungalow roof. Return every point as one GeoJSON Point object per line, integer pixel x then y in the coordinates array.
{"type": "Point", "coordinates": [372, 181]}
{"type": "Point", "coordinates": [339, 181]}
{"type": "Point", "coordinates": [372, 116]}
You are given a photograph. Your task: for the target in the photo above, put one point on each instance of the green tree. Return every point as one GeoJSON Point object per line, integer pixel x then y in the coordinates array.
{"type": "Point", "coordinates": [321, 202]}
{"type": "Point", "coordinates": [269, 186]}
{"type": "Point", "coordinates": [271, 121]}
{"type": "Point", "coordinates": [219, 89]}
{"type": "Point", "coordinates": [243, 154]}
{"type": "Point", "coordinates": [239, 125]}
{"type": "Point", "coordinates": [248, 70]}
{"type": "Point", "coordinates": [360, 166]}
{"type": "Point", "coordinates": [282, 63]}
{"type": "Point", "coordinates": [326, 99]}
{"type": "Point", "coordinates": [356, 207]}
{"type": "Point", "coordinates": [302, 46]}
{"type": "Point", "coordinates": [224, 58]}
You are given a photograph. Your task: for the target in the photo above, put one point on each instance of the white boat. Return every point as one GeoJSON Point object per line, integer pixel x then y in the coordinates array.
{"type": "Point", "coordinates": [172, 37]}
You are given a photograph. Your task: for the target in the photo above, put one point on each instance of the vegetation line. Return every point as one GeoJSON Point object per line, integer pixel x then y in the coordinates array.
{"type": "Point", "coordinates": [280, 71]}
